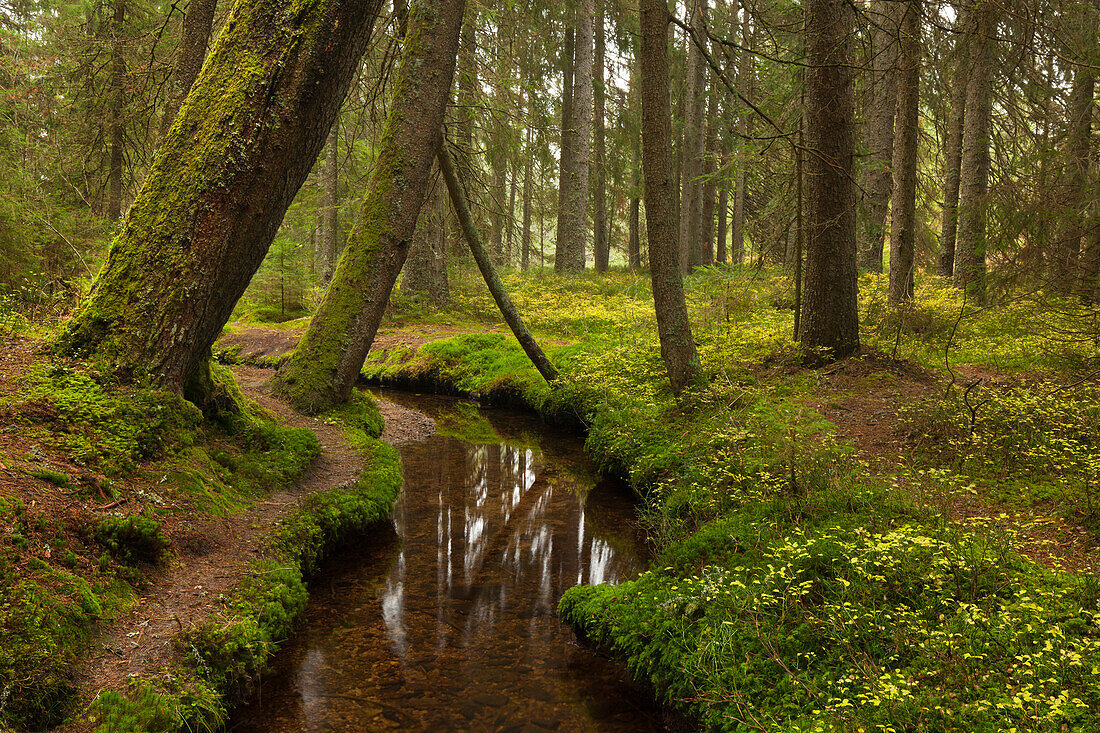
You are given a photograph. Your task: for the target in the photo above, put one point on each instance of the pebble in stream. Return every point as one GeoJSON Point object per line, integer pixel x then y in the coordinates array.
{"type": "Point", "coordinates": [449, 621]}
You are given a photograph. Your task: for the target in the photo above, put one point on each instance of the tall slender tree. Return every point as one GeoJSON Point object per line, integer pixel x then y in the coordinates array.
{"type": "Point", "coordinates": [876, 180]}
{"type": "Point", "coordinates": [673, 326]}
{"type": "Point", "coordinates": [903, 214]}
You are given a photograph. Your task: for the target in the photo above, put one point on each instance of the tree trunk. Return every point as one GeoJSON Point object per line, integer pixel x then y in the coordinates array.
{"type": "Point", "coordinates": [745, 86]}
{"type": "Point", "coordinates": [953, 154]}
{"type": "Point", "coordinates": [117, 127]}
{"type": "Point", "coordinates": [1079, 127]}
{"type": "Point", "coordinates": [903, 218]}
{"type": "Point", "coordinates": [877, 181]}
{"type": "Point", "coordinates": [324, 367]}
{"type": "Point", "coordinates": [329, 204]}
{"type": "Point", "coordinates": [830, 319]}
{"type": "Point", "coordinates": [498, 143]}
{"type": "Point", "coordinates": [722, 231]}
{"type": "Point", "coordinates": [708, 189]}
{"type": "Point", "coordinates": [245, 139]}
{"type": "Point", "coordinates": [673, 326]}
{"type": "Point", "coordinates": [528, 164]}
{"type": "Point", "coordinates": [425, 271]}
{"type": "Point", "coordinates": [570, 256]}
{"type": "Point", "coordinates": [691, 212]}
{"type": "Point", "coordinates": [467, 81]}
{"type": "Point", "coordinates": [485, 265]}
{"type": "Point", "coordinates": [194, 39]}
{"type": "Point", "coordinates": [974, 169]}
{"type": "Point", "coordinates": [565, 149]}
{"type": "Point", "coordinates": [600, 245]}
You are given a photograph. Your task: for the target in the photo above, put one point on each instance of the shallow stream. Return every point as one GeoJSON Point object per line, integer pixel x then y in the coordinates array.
{"type": "Point", "coordinates": [448, 622]}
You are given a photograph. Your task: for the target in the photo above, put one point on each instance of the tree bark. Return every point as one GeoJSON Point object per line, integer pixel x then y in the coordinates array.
{"type": "Point", "coordinates": [974, 169]}
{"type": "Point", "coordinates": [903, 218]}
{"type": "Point", "coordinates": [498, 143]}
{"type": "Point", "coordinates": [529, 162]}
{"type": "Point", "coordinates": [600, 245]}
{"type": "Point", "coordinates": [877, 181]}
{"type": "Point", "coordinates": [244, 141]}
{"type": "Point", "coordinates": [829, 327]}
{"type": "Point", "coordinates": [1079, 128]}
{"type": "Point", "coordinates": [691, 207]}
{"type": "Point", "coordinates": [745, 86]}
{"type": "Point", "coordinates": [722, 231]}
{"type": "Point", "coordinates": [492, 280]}
{"type": "Point", "coordinates": [425, 271]}
{"type": "Point", "coordinates": [329, 204]}
{"type": "Point", "coordinates": [708, 189]}
{"type": "Point", "coordinates": [194, 40]}
{"type": "Point", "coordinates": [565, 148]}
{"type": "Point", "coordinates": [467, 81]}
{"type": "Point", "coordinates": [324, 367]}
{"type": "Point", "coordinates": [953, 154]}
{"type": "Point", "coordinates": [673, 326]}
{"type": "Point", "coordinates": [570, 256]}
{"type": "Point", "coordinates": [117, 127]}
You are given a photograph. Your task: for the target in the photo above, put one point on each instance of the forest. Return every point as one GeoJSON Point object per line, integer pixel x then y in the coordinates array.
{"type": "Point", "coordinates": [618, 365]}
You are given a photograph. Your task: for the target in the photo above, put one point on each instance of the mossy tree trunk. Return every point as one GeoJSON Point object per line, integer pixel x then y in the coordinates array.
{"type": "Point", "coordinates": [324, 367]}
{"type": "Point", "coordinates": [242, 144]}
{"type": "Point", "coordinates": [673, 326]}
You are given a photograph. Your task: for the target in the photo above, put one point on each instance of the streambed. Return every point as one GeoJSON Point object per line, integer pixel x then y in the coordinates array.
{"type": "Point", "coordinates": [448, 621]}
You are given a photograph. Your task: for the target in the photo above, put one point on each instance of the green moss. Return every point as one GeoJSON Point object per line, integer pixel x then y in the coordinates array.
{"type": "Point", "coordinates": [57, 478]}
{"type": "Point", "coordinates": [108, 428]}
{"type": "Point", "coordinates": [132, 538]}
{"type": "Point", "coordinates": [225, 656]}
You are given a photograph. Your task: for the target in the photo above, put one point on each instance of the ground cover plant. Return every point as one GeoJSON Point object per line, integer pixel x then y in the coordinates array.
{"type": "Point", "coordinates": [97, 471]}
{"type": "Point", "coordinates": [809, 578]}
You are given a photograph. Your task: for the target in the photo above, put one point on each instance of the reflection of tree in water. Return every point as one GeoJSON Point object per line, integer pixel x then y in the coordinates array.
{"type": "Point", "coordinates": [462, 625]}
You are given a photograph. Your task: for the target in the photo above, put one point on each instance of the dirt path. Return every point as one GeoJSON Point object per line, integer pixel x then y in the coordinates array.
{"type": "Point", "coordinates": [214, 552]}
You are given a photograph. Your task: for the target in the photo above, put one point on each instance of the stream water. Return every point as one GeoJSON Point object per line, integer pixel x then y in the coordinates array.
{"type": "Point", "coordinates": [448, 621]}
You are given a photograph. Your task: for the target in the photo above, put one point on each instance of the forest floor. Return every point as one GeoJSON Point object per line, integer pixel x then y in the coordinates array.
{"type": "Point", "coordinates": [892, 491]}
{"type": "Point", "coordinates": [211, 550]}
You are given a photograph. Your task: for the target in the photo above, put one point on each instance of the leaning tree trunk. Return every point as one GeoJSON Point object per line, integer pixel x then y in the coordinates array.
{"type": "Point", "coordinates": [673, 326]}
{"type": "Point", "coordinates": [903, 217]}
{"type": "Point", "coordinates": [324, 367]}
{"type": "Point", "coordinates": [953, 154]}
{"type": "Point", "coordinates": [829, 327]}
{"type": "Point", "coordinates": [600, 243]}
{"type": "Point", "coordinates": [245, 139]}
{"type": "Point", "coordinates": [974, 170]}
{"type": "Point", "coordinates": [876, 180]}
{"type": "Point", "coordinates": [485, 265]}
{"type": "Point", "coordinates": [194, 39]}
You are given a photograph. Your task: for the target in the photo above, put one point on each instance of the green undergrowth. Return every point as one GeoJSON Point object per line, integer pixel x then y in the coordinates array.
{"type": "Point", "coordinates": [63, 576]}
{"type": "Point", "coordinates": [223, 658]}
{"type": "Point", "coordinates": [797, 587]}
{"type": "Point", "coordinates": [1030, 445]}
{"type": "Point", "coordinates": [52, 595]}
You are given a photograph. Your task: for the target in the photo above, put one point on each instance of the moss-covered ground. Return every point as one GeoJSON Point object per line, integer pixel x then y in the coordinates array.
{"type": "Point", "coordinates": [903, 541]}
{"type": "Point", "coordinates": [96, 478]}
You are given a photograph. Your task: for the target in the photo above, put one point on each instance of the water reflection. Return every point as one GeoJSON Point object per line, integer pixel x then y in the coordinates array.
{"type": "Point", "coordinates": [454, 626]}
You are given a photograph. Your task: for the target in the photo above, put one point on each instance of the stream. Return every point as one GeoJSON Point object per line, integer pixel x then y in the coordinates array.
{"type": "Point", "coordinates": [448, 620]}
